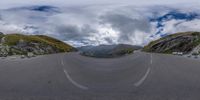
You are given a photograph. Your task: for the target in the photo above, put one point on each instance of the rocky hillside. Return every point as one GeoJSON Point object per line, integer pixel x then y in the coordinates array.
{"type": "Point", "coordinates": [108, 51]}
{"type": "Point", "coordinates": [186, 42]}
{"type": "Point", "coordinates": [18, 44]}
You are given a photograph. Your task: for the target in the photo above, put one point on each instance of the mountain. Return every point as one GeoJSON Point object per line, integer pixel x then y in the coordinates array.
{"type": "Point", "coordinates": [18, 44]}
{"type": "Point", "coordinates": [186, 42]}
{"type": "Point", "coordinates": [108, 51]}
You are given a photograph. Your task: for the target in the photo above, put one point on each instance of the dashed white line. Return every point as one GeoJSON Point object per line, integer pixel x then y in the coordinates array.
{"type": "Point", "coordinates": [71, 80]}
{"type": "Point", "coordinates": [62, 62]}
{"type": "Point", "coordinates": [138, 83]}
{"type": "Point", "coordinates": [143, 78]}
{"type": "Point", "coordinates": [151, 59]}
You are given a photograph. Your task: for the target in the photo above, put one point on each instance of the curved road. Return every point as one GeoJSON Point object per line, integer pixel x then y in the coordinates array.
{"type": "Point", "coordinates": [140, 76]}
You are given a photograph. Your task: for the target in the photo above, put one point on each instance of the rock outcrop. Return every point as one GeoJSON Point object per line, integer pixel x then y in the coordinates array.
{"type": "Point", "coordinates": [184, 42]}
{"type": "Point", "coordinates": [18, 44]}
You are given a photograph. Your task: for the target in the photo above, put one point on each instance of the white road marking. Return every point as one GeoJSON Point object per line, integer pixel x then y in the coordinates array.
{"type": "Point", "coordinates": [145, 75]}
{"type": "Point", "coordinates": [62, 62]}
{"type": "Point", "coordinates": [151, 59]}
{"type": "Point", "coordinates": [71, 80]}
{"type": "Point", "coordinates": [143, 78]}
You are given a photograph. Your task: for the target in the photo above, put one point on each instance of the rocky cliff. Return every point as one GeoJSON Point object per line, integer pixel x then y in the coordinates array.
{"type": "Point", "coordinates": [185, 42]}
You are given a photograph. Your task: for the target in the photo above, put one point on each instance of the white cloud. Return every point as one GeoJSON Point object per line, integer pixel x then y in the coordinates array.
{"type": "Point", "coordinates": [13, 3]}
{"type": "Point", "coordinates": [98, 24]}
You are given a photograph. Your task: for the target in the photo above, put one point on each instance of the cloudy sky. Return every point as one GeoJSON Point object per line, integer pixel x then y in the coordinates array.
{"type": "Point", "coordinates": [94, 22]}
{"type": "Point", "coordinates": [6, 3]}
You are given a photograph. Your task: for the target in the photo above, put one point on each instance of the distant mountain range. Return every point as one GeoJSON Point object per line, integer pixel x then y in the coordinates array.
{"type": "Point", "coordinates": [108, 51]}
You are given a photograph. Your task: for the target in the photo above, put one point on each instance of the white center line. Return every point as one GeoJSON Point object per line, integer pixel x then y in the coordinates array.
{"type": "Point", "coordinates": [146, 74]}
{"type": "Point", "coordinates": [151, 59]}
{"type": "Point", "coordinates": [71, 80]}
{"type": "Point", "coordinates": [143, 78]}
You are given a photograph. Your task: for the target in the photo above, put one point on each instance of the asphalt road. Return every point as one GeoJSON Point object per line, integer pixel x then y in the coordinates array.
{"type": "Point", "coordinates": [140, 76]}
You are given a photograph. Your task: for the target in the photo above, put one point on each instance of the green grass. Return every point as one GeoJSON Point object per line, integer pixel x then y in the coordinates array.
{"type": "Point", "coordinates": [55, 43]}
{"type": "Point", "coordinates": [1, 36]}
{"type": "Point", "coordinates": [13, 39]}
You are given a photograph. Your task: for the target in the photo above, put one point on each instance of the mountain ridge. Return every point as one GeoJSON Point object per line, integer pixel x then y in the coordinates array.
{"type": "Point", "coordinates": [184, 42]}
{"type": "Point", "coordinates": [108, 51]}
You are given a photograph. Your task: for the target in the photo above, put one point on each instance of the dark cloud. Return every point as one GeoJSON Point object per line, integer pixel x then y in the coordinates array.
{"type": "Point", "coordinates": [109, 40]}
{"type": "Point", "coordinates": [73, 32]}
{"type": "Point", "coordinates": [127, 25]}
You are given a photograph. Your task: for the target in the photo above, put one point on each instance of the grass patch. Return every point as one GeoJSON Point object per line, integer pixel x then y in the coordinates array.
{"type": "Point", "coordinates": [13, 39]}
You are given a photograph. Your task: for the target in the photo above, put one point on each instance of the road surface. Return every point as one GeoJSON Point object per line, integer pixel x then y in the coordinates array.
{"type": "Point", "coordinates": [140, 76]}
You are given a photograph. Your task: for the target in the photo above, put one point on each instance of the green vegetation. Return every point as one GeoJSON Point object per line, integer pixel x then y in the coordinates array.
{"type": "Point", "coordinates": [125, 51]}
{"type": "Point", "coordinates": [195, 53]}
{"type": "Point", "coordinates": [180, 42]}
{"type": "Point", "coordinates": [13, 39]}
{"type": "Point", "coordinates": [1, 35]}
{"type": "Point", "coordinates": [18, 44]}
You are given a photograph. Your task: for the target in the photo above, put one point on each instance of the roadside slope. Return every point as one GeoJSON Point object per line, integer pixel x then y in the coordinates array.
{"type": "Point", "coordinates": [180, 42]}
{"type": "Point", "coordinates": [18, 44]}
